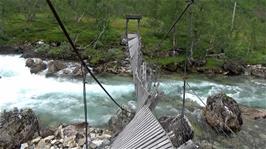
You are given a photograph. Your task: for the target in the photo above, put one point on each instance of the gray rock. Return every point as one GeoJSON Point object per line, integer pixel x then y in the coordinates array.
{"type": "Point", "coordinates": [24, 146]}
{"type": "Point", "coordinates": [55, 142]}
{"type": "Point", "coordinates": [77, 72]}
{"type": "Point", "coordinates": [258, 71]}
{"type": "Point", "coordinates": [223, 113]}
{"type": "Point", "coordinates": [188, 145]}
{"type": "Point", "coordinates": [179, 128]}
{"type": "Point", "coordinates": [55, 66]}
{"type": "Point", "coordinates": [106, 142]}
{"type": "Point", "coordinates": [43, 145]}
{"type": "Point", "coordinates": [17, 127]}
{"type": "Point", "coordinates": [69, 141]}
{"type": "Point", "coordinates": [98, 142]}
{"type": "Point", "coordinates": [81, 141]}
{"type": "Point", "coordinates": [234, 68]}
{"type": "Point", "coordinates": [29, 62]}
{"type": "Point", "coordinates": [37, 66]}
{"type": "Point", "coordinates": [263, 136]}
{"type": "Point", "coordinates": [48, 139]}
{"type": "Point", "coordinates": [92, 145]}
{"type": "Point", "coordinates": [45, 132]}
{"type": "Point", "coordinates": [36, 140]}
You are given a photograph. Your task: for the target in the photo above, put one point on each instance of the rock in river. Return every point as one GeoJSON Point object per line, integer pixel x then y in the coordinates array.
{"type": "Point", "coordinates": [35, 65]}
{"type": "Point", "coordinates": [55, 66]}
{"type": "Point", "coordinates": [223, 113]}
{"type": "Point", "coordinates": [178, 127]}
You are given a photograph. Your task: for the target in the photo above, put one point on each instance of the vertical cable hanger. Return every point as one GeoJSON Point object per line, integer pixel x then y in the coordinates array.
{"type": "Point", "coordinates": [185, 65]}
{"type": "Point", "coordinates": [85, 104]}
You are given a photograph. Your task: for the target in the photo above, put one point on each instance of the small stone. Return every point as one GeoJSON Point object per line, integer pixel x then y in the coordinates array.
{"type": "Point", "coordinates": [106, 142]}
{"type": "Point", "coordinates": [24, 146]}
{"type": "Point", "coordinates": [81, 141]}
{"type": "Point", "coordinates": [263, 136]}
{"type": "Point", "coordinates": [43, 145]}
{"type": "Point", "coordinates": [58, 131]}
{"type": "Point", "coordinates": [75, 147]}
{"type": "Point", "coordinates": [61, 140]}
{"type": "Point", "coordinates": [55, 142]}
{"type": "Point", "coordinates": [36, 140]}
{"type": "Point", "coordinates": [91, 129]}
{"type": "Point", "coordinates": [97, 142]}
{"type": "Point", "coordinates": [92, 145]}
{"type": "Point", "coordinates": [105, 136]}
{"type": "Point", "coordinates": [70, 142]}
{"type": "Point", "coordinates": [93, 135]}
{"type": "Point", "coordinates": [49, 138]}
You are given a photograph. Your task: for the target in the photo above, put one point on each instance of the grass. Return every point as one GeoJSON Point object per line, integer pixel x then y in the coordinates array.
{"type": "Point", "coordinates": [214, 63]}
{"type": "Point", "coordinates": [44, 27]}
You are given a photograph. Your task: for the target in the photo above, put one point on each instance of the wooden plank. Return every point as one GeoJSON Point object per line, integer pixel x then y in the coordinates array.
{"type": "Point", "coordinates": [144, 131]}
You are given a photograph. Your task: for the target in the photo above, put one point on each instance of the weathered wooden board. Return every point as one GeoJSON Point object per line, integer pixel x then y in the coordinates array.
{"type": "Point", "coordinates": [143, 132]}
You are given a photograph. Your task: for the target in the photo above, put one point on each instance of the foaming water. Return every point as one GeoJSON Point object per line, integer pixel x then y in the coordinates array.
{"type": "Point", "coordinates": [60, 100]}
{"type": "Point", "coordinates": [55, 99]}
{"type": "Point", "coordinates": [246, 90]}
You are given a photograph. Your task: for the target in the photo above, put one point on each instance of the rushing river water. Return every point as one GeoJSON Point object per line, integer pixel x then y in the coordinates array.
{"type": "Point", "coordinates": [60, 100]}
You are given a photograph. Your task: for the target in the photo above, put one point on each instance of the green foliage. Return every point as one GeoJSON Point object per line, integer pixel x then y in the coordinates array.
{"type": "Point", "coordinates": [42, 49]}
{"type": "Point", "coordinates": [61, 52]}
{"type": "Point", "coordinates": [97, 56]}
{"type": "Point", "coordinates": [31, 20]}
{"type": "Point", "coordinates": [214, 63]}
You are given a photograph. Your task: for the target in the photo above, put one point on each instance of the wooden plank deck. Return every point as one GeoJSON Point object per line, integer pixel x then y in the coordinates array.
{"type": "Point", "coordinates": [143, 132]}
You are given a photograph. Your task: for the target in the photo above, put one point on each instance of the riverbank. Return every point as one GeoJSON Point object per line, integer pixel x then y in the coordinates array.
{"type": "Point", "coordinates": [251, 134]}
{"type": "Point", "coordinates": [121, 65]}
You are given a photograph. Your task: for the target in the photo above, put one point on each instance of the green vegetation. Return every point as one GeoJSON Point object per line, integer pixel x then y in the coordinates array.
{"type": "Point", "coordinates": [98, 27]}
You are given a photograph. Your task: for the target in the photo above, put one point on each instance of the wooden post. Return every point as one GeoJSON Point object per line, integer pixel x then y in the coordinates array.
{"type": "Point", "coordinates": [126, 30]}
{"type": "Point", "coordinates": [133, 17]}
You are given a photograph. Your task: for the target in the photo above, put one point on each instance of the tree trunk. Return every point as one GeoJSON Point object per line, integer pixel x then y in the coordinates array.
{"type": "Point", "coordinates": [233, 16]}
{"type": "Point", "coordinates": [174, 38]}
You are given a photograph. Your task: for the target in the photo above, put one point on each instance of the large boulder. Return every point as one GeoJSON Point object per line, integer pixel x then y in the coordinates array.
{"type": "Point", "coordinates": [257, 71]}
{"type": "Point", "coordinates": [223, 113]}
{"type": "Point", "coordinates": [233, 67]}
{"type": "Point", "coordinates": [35, 65]}
{"type": "Point", "coordinates": [178, 128]}
{"type": "Point", "coordinates": [55, 66]}
{"type": "Point", "coordinates": [172, 67]}
{"type": "Point", "coordinates": [17, 127]}
{"type": "Point", "coordinates": [121, 119]}
{"type": "Point", "coordinates": [77, 72]}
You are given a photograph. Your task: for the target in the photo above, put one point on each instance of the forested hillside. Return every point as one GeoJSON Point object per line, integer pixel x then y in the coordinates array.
{"type": "Point", "coordinates": [209, 27]}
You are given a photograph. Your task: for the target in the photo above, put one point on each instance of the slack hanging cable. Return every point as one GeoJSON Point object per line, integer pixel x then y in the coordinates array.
{"type": "Point", "coordinates": [78, 54]}
{"type": "Point", "coordinates": [85, 104]}
{"type": "Point", "coordinates": [190, 2]}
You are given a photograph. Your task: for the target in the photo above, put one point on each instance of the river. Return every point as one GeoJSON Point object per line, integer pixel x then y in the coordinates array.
{"type": "Point", "coordinates": [59, 100]}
